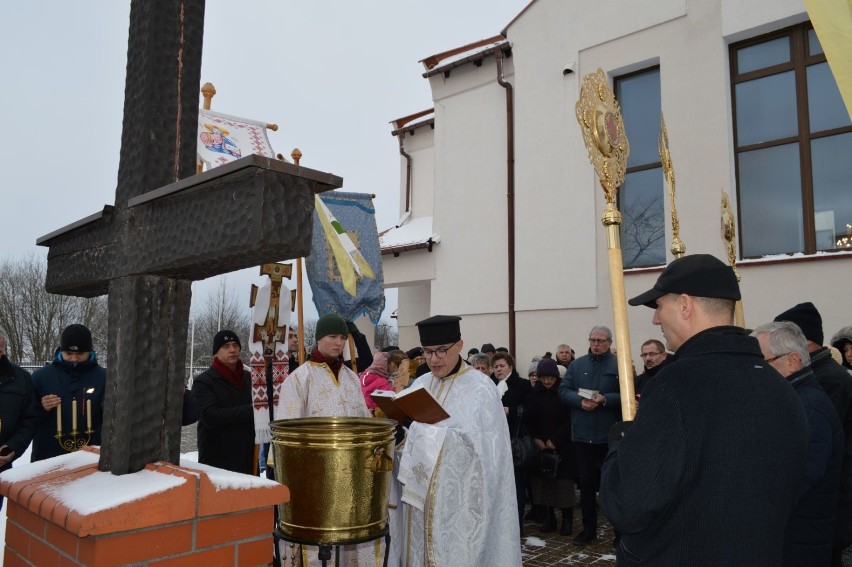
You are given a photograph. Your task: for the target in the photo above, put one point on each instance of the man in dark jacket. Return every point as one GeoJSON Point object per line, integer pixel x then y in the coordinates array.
{"type": "Point", "coordinates": [810, 531]}
{"type": "Point", "coordinates": [837, 384]}
{"type": "Point", "coordinates": [710, 468]}
{"type": "Point", "coordinates": [18, 411]}
{"type": "Point", "coordinates": [591, 390]}
{"type": "Point", "coordinates": [654, 357]}
{"type": "Point", "coordinates": [226, 422]}
{"type": "Point", "coordinates": [73, 376]}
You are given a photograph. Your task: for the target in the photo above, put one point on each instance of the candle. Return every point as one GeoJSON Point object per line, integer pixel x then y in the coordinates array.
{"type": "Point", "coordinates": [89, 415]}
{"type": "Point", "coordinates": [74, 415]}
{"type": "Point", "coordinates": [59, 419]}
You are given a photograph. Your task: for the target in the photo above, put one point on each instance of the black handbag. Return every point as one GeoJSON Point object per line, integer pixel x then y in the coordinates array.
{"type": "Point", "coordinates": [524, 449]}
{"type": "Point", "coordinates": [548, 464]}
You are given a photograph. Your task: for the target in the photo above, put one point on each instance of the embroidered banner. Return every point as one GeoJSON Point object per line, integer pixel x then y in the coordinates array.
{"type": "Point", "coordinates": [345, 267]}
{"type": "Point", "coordinates": [223, 138]}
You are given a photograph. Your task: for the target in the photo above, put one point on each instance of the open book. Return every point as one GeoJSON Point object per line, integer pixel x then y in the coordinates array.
{"type": "Point", "coordinates": [413, 403]}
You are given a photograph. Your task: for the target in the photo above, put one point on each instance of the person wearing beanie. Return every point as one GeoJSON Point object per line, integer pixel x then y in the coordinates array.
{"type": "Point", "coordinates": [835, 380]}
{"type": "Point", "coordinates": [226, 414]}
{"type": "Point", "coordinates": [325, 387]}
{"type": "Point", "coordinates": [73, 374]}
{"type": "Point", "coordinates": [468, 489]}
{"type": "Point", "coordinates": [375, 378]}
{"type": "Point", "coordinates": [548, 421]}
{"type": "Point", "coordinates": [717, 425]}
{"type": "Point", "coordinates": [842, 341]}
{"type": "Point", "coordinates": [532, 373]}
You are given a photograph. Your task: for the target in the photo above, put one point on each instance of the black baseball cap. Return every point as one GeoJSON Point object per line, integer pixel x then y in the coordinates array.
{"type": "Point", "coordinates": [699, 275]}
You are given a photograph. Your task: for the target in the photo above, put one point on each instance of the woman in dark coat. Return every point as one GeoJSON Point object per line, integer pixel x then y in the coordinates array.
{"type": "Point", "coordinates": [548, 421]}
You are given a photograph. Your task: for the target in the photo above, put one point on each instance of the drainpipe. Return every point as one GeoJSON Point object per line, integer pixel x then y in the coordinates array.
{"type": "Point", "coordinates": [510, 192]}
{"type": "Point", "coordinates": [407, 172]}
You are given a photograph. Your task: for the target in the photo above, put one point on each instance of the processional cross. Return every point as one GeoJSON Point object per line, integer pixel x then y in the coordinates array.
{"type": "Point", "coordinates": [167, 228]}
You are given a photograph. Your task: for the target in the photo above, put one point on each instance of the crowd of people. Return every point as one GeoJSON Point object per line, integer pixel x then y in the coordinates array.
{"type": "Point", "coordinates": [740, 451]}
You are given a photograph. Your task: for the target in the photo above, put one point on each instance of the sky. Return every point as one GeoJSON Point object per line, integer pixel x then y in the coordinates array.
{"type": "Point", "coordinates": [331, 73]}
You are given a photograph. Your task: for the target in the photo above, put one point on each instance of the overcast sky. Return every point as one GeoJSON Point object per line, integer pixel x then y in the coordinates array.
{"type": "Point", "coordinates": [332, 74]}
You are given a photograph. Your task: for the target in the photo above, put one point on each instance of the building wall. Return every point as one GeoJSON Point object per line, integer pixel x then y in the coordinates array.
{"type": "Point", "coordinates": [562, 278]}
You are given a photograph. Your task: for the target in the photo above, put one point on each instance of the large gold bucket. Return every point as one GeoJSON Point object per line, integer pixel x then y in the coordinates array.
{"type": "Point", "coordinates": [338, 470]}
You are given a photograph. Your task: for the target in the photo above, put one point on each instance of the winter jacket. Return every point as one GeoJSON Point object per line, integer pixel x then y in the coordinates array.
{"type": "Point", "coordinates": [810, 530]}
{"type": "Point", "coordinates": [592, 372]}
{"type": "Point", "coordinates": [546, 417]}
{"type": "Point", "coordinates": [18, 410]}
{"type": "Point", "coordinates": [370, 382]}
{"type": "Point", "coordinates": [840, 339]}
{"type": "Point", "coordinates": [81, 381]}
{"type": "Point", "coordinates": [709, 470]}
{"type": "Point", "coordinates": [515, 395]}
{"type": "Point", "coordinates": [226, 422]}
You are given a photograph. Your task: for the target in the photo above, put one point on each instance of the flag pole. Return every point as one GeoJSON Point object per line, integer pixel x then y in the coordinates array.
{"type": "Point", "coordinates": [729, 235]}
{"type": "Point", "coordinates": [207, 93]}
{"type": "Point", "coordinates": [300, 311]}
{"type": "Point", "coordinates": [602, 126]}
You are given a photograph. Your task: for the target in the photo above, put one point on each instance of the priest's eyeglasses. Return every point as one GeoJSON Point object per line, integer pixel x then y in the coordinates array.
{"type": "Point", "coordinates": [774, 358]}
{"type": "Point", "coordinates": [439, 352]}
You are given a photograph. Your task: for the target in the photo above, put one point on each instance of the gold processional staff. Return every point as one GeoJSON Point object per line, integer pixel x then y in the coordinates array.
{"type": "Point", "coordinates": [678, 247]}
{"type": "Point", "coordinates": [729, 236]}
{"type": "Point", "coordinates": [602, 126]}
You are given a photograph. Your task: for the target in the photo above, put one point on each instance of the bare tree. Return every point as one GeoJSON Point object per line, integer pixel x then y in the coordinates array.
{"type": "Point", "coordinates": [34, 319]}
{"type": "Point", "coordinates": [386, 335]}
{"type": "Point", "coordinates": [643, 233]}
{"type": "Point", "coordinates": [225, 309]}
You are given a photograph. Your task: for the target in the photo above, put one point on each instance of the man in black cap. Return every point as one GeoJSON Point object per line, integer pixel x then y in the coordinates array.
{"type": "Point", "coordinates": [468, 515]}
{"type": "Point", "coordinates": [18, 410]}
{"type": "Point", "coordinates": [226, 422]}
{"type": "Point", "coordinates": [73, 375]}
{"type": "Point", "coordinates": [837, 384]}
{"type": "Point", "coordinates": [708, 471]}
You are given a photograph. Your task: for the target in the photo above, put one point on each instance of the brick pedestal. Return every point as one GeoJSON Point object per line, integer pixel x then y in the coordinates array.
{"type": "Point", "coordinates": [63, 512]}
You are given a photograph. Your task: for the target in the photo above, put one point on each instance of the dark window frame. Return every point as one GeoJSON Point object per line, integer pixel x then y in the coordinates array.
{"type": "Point", "coordinates": [800, 60]}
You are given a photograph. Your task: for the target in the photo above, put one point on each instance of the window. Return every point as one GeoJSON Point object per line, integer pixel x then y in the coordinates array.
{"type": "Point", "coordinates": [793, 144]}
{"type": "Point", "coordinates": [641, 197]}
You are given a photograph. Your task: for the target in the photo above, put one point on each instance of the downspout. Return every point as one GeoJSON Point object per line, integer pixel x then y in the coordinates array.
{"type": "Point", "coordinates": [407, 172]}
{"type": "Point", "coordinates": [510, 193]}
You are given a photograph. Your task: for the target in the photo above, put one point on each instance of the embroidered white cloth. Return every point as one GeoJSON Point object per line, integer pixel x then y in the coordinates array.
{"type": "Point", "coordinates": [223, 138]}
{"type": "Point", "coordinates": [471, 513]}
{"type": "Point", "coordinates": [419, 458]}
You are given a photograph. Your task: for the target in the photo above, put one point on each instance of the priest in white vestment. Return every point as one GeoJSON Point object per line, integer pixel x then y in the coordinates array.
{"type": "Point", "coordinates": [458, 496]}
{"type": "Point", "coordinates": [325, 387]}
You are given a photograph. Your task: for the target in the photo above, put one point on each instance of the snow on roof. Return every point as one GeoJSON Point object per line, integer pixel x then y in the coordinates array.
{"type": "Point", "coordinates": [221, 479]}
{"type": "Point", "coordinates": [112, 490]}
{"type": "Point", "coordinates": [67, 462]}
{"type": "Point", "coordinates": [465, 56]}
{"type": "Point", "coordinates": [412, 234]}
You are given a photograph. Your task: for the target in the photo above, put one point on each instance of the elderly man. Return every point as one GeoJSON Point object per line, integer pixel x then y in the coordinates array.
{"type": "Point", "coordinates": [591, 390]}
{"type": "Point", "coordinates": [564, 355]}
{"type": "Point", "coordinates": [458, 508]}
{"type": "Point", "coordinates": [810, 531]}
{"type": "Point", "coordinates": [18, 410]}
{"type": "Point", "coordinates": [654, 356]}
{"type": "Point", "coordinates": [710, 468]}
{"type": "Point", "coordinates": [73, 375]}
{"type": "Point", "coordinates": [834, 379]}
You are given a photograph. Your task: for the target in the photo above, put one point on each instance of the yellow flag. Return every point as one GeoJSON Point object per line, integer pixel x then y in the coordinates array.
{"type": "Point", "coordinates": [832, 20]}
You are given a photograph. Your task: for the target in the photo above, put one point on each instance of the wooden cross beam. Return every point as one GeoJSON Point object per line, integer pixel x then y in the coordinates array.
{"type": "Point", "coordinates": [167, 228]}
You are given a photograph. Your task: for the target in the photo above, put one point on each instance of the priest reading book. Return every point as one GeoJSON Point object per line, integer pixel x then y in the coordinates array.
{"type": "Point", "coordinates": [414, 403]}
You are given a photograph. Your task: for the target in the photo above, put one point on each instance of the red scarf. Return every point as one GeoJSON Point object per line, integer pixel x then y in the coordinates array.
{"type": "Point", "coordinates": [333, 363]}
{"type": "Point", "coordinates": [234, 377]}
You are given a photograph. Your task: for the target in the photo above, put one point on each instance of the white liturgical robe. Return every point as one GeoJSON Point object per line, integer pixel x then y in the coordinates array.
{"type": "Point", "coordinates": [469, 515]}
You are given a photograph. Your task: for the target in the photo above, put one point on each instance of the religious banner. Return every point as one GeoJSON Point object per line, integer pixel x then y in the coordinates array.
{"type": "Point", "coordinates": [832, 20]}
{"type": "Point", "coordinates": [345, 267]}
{"type": "Point", "coordinates": [223, 138]}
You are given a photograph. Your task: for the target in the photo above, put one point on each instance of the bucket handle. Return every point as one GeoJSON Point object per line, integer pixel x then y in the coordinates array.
{"type": "Point", "coordinates": [382, 462]}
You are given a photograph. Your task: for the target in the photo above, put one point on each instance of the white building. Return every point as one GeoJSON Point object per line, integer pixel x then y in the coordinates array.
{"type": "Point", "coordinates": [750, 106]}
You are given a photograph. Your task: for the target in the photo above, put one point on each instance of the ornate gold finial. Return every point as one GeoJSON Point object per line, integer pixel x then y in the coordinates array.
{"type": "Point", "coordinates": [296, 154]}
{"type": "Point", "coordinates": [602, 126]}
{"type": "Point", "coordinates": [207, 91]}
{"type": "Point", "coordinates": [729, 232]}
{"type": "Point", "coordinates": [678, 248]}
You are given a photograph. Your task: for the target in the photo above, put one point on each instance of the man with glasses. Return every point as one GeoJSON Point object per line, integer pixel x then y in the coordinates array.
{"type": "Point", "coordinates": [708, 471]}
{"type": "Point", "coordinates": [591, 390]}
{"type": "Point", "coordinates": [810, 530]}
{"type": "Point", "coordinates": [458, 509]}
{"type": "Point", "coordinates": [654, 356]}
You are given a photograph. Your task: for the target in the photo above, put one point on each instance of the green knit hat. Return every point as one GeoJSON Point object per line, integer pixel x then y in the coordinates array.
{"type": "Point", "coordinates": [331, 324]}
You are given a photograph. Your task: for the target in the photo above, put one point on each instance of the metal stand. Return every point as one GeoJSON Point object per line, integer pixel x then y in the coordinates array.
{"type": "Point", "coordinates": [325, 548]}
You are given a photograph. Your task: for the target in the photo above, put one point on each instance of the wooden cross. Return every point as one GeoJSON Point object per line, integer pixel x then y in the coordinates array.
{"type": "Point", "coordinates": [271, 332]}
{"type": "Point", "coordinates": [167, 228]}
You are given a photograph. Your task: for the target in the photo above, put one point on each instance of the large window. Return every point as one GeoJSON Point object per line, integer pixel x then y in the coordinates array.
{"type": "Point", "coordinates": [640, 198]}
{"type": "Point", "coordinates": [793, 144]}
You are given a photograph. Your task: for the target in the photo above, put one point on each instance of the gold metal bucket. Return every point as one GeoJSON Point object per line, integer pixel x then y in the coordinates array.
{"type": "Point", "coordinates": [338, 470]}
